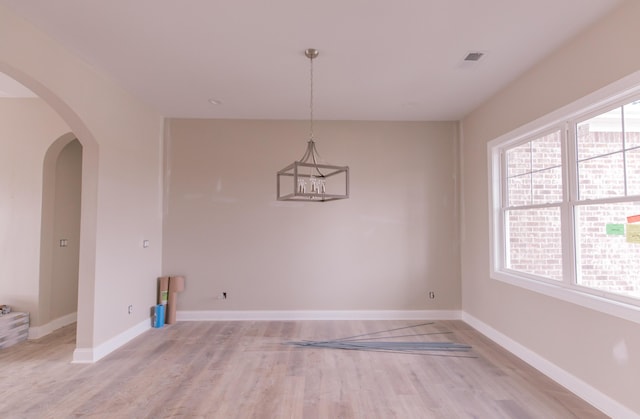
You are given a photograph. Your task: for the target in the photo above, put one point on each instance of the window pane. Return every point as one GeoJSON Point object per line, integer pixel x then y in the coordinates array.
{"type": "Point", "coordinates": [534, 171]}
{"type": "Point", "coordinates": [602, 177]}
{"type": "Point", "coordinates": [607, 262]}
{"type": "Point", "coordinates": [633, 172]}
{"type": "Point", "coordinates": [519, 191]}
{"type": "Point", "coordinates": [519, 160]}
{"type": "Point", "coordinates": [632, 124]}
{"type": "Point", "coordinates": [547, 186]}
{"type": "Point", "coordinates": [600, 135]}
{"type": "Point", "coordinates": [533, 242]}
{"type": "Point", "coordinates": [546, 151]}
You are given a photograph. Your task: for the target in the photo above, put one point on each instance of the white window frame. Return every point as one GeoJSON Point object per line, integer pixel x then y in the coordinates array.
{"type": "Point", "coordinates": [616, 93]}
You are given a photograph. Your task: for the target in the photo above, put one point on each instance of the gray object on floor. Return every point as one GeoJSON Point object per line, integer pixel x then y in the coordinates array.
{"type": "Point", "coordinates": [359, 343]}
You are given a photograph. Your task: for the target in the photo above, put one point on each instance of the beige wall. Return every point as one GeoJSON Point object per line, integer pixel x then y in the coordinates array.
{"type": "Point", "coordinates": [583, 342]}
{"type": "Point", "coordinates": [121, 180]}
{"type": "Point", "coordinates": [27, 128]}
{"type": "Point", "coordinates": [394, 240]}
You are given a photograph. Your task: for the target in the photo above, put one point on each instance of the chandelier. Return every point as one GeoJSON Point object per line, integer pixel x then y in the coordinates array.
{"type": "Point", "coordinates": [309, 179]}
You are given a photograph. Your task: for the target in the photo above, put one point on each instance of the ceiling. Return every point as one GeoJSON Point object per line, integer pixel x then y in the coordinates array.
{"type": "Point", "coordinates": [379, 59]}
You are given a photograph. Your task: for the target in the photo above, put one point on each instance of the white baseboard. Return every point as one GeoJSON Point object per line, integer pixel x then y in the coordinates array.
{"type": "Point", "coordinates": [37, 332]}
{"type": "Point", "coordinates": [213, 315]}
{"type": "Point", "coordinates": [90, 355]}
{"type": "Point", "coordinates": [590, 394]}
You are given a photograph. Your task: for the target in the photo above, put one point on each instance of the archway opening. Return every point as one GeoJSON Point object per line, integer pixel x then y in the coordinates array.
{"type": "Point", "coordinates": [60, 235]}
{"type": "Point", "coordinates": [88, 217]}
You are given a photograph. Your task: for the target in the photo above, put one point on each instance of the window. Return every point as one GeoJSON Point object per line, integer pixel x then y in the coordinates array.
{"type": "Point", "coordinates": [565, 196]}
{"type": "Point", "coordinates": [608, 186]}
{"type": "Point", "coordinates": [533, 194]}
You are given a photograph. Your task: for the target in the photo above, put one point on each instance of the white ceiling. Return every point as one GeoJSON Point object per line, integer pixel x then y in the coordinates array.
{"type": "Point", "coordinates": [379, 59]}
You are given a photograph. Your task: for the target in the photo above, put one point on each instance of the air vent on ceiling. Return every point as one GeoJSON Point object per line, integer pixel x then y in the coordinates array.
{"type": "Point", "coordinates": [473, 56]}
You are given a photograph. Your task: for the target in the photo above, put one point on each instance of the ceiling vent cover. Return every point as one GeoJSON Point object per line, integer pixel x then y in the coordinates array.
{"type": "Point", "coordinates": [473, 56]}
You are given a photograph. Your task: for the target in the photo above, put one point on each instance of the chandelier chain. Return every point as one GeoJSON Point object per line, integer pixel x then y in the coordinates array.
{"type": "Point", "coordinates": [311, 98]}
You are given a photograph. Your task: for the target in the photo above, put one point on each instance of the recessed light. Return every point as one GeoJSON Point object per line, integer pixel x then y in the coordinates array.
{"type": "Point", "coordinates": [215, 102]}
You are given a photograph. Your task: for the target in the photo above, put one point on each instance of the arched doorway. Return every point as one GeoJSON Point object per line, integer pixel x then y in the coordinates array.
{"type": "Point", "coordinates": [60, 235]}
{"type": "Point", "coordinates": [88, 217]}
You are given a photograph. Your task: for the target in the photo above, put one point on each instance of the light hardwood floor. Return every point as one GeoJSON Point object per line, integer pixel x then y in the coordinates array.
{"type": "Point", "coordinates": [243, 370]}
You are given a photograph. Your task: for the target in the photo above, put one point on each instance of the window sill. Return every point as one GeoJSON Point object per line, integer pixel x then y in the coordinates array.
{"type": "Point", "coordinates": [560, 291]}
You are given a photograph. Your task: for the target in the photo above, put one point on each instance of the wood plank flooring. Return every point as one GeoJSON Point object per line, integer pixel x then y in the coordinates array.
{"type": "Point", "coordinates": [244, 370]}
